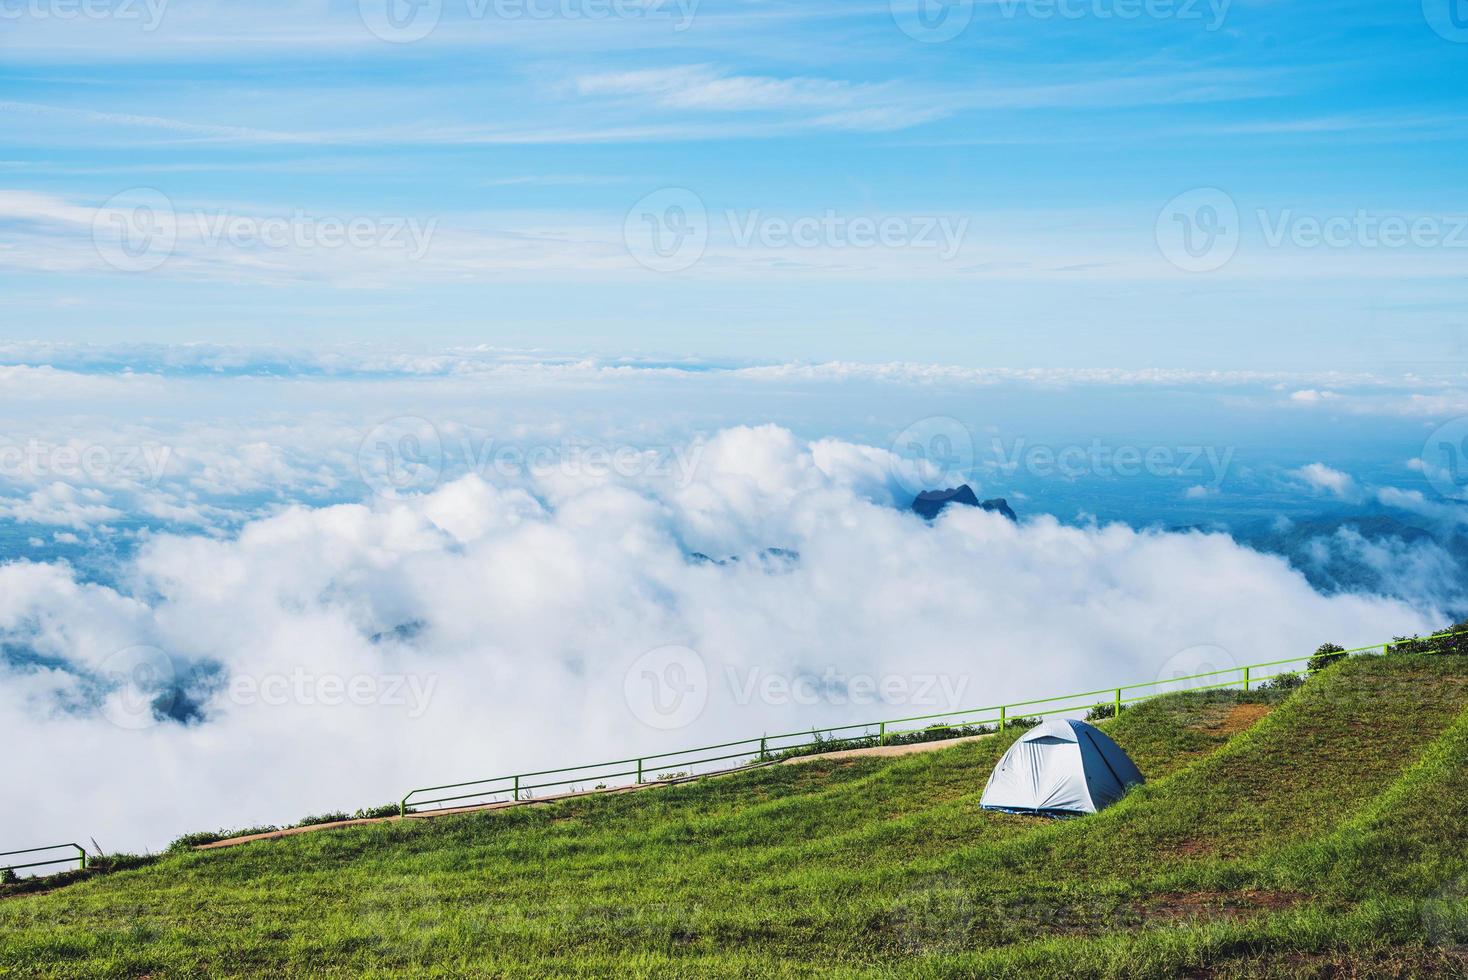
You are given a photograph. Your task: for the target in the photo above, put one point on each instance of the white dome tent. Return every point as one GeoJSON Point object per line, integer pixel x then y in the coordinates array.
{"type": "Point", "coordinates": [1060, 767]}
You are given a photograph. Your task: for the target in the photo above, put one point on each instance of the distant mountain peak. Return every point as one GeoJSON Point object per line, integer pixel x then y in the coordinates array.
{"type": "Point", "coordinates": [930, 503]}
{"type": "Point", "coordinates": [770, 557]}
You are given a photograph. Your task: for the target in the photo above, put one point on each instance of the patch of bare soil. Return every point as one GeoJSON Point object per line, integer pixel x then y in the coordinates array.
{"type": "Point", "coordinates": [1407, 963]}
{"type": "Point", "coordinates": [1191, 848]}
{"type": "Point", "coordinates": [1237, 718]}
{"type": "Point", "coordinates": [1214, 904]}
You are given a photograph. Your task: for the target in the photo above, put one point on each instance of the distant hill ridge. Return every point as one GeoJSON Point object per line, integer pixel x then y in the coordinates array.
{"type": "Point", "coordinates": [930, 503]}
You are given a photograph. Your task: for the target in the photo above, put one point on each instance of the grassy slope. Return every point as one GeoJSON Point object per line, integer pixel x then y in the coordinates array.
{"type": "Point", "coordinates": [1265, 839]}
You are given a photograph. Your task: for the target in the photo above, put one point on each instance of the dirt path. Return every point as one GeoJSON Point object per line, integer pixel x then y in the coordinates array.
{"type": "Point", "coordinates": [878, 751]}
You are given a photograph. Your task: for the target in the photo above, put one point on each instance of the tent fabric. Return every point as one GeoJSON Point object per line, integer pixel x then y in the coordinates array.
{"type": "Point", "coordinates": [1061, 766]}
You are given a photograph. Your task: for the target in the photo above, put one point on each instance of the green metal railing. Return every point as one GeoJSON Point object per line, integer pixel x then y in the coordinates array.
{"type": "Point", "coordinates": [634, 771]}
{"type": "Point", "coordinates": [80, 856]}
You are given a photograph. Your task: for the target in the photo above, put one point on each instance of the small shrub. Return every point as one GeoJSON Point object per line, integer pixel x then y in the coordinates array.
{"type": "Point", "coordinates": [336, 817]}
{"type": "Point", "coordinates": [1325, 655]}
{"type": "Point", "coordinates": [1104, 710]}
{"type": "Point", "coordinates": [9, 877]}
{"type": "Point", "coordinates": [119, 862]}
{"type": "Point", "coordinates": [1287, 681]}
{"type": "Point", "coordinates": [373, 812]}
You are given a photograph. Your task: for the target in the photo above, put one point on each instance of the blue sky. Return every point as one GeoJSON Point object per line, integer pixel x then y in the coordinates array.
{"type": "Point", "coordinates": [1051, 135]}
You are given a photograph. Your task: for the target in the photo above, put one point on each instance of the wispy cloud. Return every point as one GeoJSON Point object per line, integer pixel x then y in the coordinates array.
{"type": "Point", "coordinates": [130, 120]}
{"type": "Point", "coordinates": [1377, 123]}
{"type": "Point", "coordinates": [705, 87]}
{"type": "Point", "coordinates": [553, 180]}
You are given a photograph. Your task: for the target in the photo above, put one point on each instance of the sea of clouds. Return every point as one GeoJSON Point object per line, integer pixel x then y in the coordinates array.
{"type": "Point", "coordinates": [324, 604]}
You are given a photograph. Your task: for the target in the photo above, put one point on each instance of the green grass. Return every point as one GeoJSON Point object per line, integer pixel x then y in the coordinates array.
{"type": "Point", "coordinates": [1314, 833]}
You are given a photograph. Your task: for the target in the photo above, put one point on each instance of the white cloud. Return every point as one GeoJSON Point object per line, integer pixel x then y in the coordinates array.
{"type": "Point", "coordinates": [1327, 480]}
{"type": "Point", "coordinates": [209, 435]}
{"type": "Point", "coordinates": [705, 87]}
{"type": "Point", "coordinates": [917, 373]}
{"type": "Point", "coordinates": [1440, 513]}
{"type": "Point", "coordinates": [517, 611]}
{"type": "Point", "coordinates": [134, 364]}
{"type": "Point", "coordinates": [92, 117]}
{"type": "Point", "coordinates": [63, 505]}
{"type": "Point", "coordinates": [1309, 396]}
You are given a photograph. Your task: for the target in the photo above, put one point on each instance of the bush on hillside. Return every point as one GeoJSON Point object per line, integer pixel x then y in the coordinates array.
{"type": "Point", "coordinates": [1286, 681]}
{"type": "Point", "coordinates": [937, 733]}
{"type": "Point", "coordinates": [9, 877]}
{"type": "Point", "coordinates": [1104, 710]}
{"type": "Point", "coordinates": [1325, 655]}
{"type": "Point", "coordinates": [336, 816]}
{"type": "Point", "coordinates": [118, 862]}
{"type": "Point", "coordinates": [373, 812]}
{"type": "Point", "coordinates": [1452, 640]}
{"type": "Point", "coordinates": [366, 813]}
{"type": "Point", "coordinates": [190, 841]}
{"type": "Point", "coordinates": [821, 743]}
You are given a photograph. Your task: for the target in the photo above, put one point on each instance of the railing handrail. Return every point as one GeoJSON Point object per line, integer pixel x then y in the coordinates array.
{"type": "Point", "coordinates": [81, 856]}
{"type": "Point", "coordinates": [1114, 694]}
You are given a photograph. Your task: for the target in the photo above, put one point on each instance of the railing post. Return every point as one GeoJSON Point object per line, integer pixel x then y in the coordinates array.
{"type": "Point", "coordinates": [762, 752]}
{"type": "Point", "coordinates": [1246, 679]}
{"type": "Point", "coordinates": [882, 733]}
{"type": "Point", "coordinates": [1118, 703]}
{"type": "Point", "coordinates": [81, 855]}
{"type": "Point", "coordinates": [1001, 719]}
{"type": "Point", "coordinates": [517, 789]}
{"type": "Point", "coordinates": [639, 771]}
